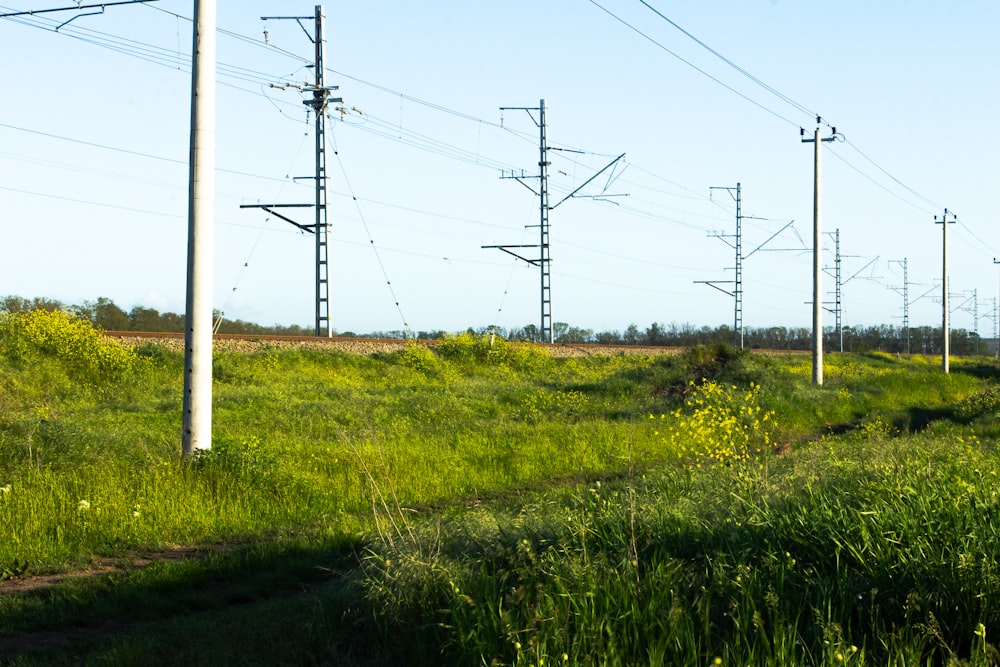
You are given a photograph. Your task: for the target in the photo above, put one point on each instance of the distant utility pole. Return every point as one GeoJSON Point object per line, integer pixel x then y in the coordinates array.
{"type": "Point", "coordinates": [905, 291]}
{"type": "Point", "coordinates": [320, 227]}
{"type": "Point", "coordinates": [197, 403]}
{"type": "Point", "coordinates": [837, 294]}
{"type": "Point", "coordinates": [996, 325]}
{"type": "Point", "coordinates": [975, 316]}
{"type": "Point", "coordinates": [971, 306]}
{"type": "Point", "coordinates": [737, 281]}
{"type": "Point", "coordinates": [996, 322]}
{"type": "Point", "coordinates": [838, 309]}
{"type": "Point", "coordinates": [737, 245]}
{"type": "Point", "coordinates": [544, 260]}
{"type": "Point", "coordinates": [945, 330]}
{"type": "Point", "coordinates": [817, 250]}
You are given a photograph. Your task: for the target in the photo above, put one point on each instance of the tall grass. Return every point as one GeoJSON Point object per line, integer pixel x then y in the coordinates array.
{"type": "Point", "coordinates": [295, 431]}
{"type": "Point", "coordinates": [520, 509]}
{"type": "Point", "coordinates": [848, 552]}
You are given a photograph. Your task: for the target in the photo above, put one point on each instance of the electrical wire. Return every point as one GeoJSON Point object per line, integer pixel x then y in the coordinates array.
{"type": "Point", "coordinates": [630, 210]}
{"type": "Point", "coordinates": [157, 55]}
{"type": "Point", "coordinates": [371, 241]}
{"type": "Point", "coordinates": [91, 203]}
{"type": "Point", "coordinates": [514, 263]}
{"type": "Point", "coordinates": [128, 151]}
{"type": "Point", "coordinates": [382, 128]}
{"type": "Point", "coordinates": [770, 89]}
{"type": "Point", "coordinates": [896, 180]}
{"type": "Point", "coordinates": [879, 185]}
{"type": "Point", "coordinates": [692, 65]}
{"type": "Point", "coordinates": [388, 130]}
{"type": "Point", "coordinates": [785, 98]}
{"type": "Point", "coordinates": [244, 38]}
{"type": "Point", "coordinates": [256, 242]}
{"type": "Point", "coordinates": [984, 245]}
{"type": "Point", "coordinates": [423, 142]}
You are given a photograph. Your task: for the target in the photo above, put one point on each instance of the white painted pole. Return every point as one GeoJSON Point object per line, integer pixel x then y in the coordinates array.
{"type": "Point", "coordinates": [817, 265]}
{"type": "Point", "coordinates": [945, 326]}
{"type": "Point", "coordinates": [817, 303]}
{"type": "Point", "coordinates": [197, 430]}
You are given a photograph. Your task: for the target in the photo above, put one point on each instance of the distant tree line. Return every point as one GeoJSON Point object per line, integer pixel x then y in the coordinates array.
{"type": "Point", "coordinates": [882, 337]}
{"type": "Point", "coordinates": [104, 313]}
{"type": "Point", "coordinates": [107, 315]}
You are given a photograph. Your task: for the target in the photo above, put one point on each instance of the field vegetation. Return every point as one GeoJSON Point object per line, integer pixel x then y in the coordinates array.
{"type": "Point", "coordinates": [106, 314]}
{"type": "Point", "coordinates": [482, 503]}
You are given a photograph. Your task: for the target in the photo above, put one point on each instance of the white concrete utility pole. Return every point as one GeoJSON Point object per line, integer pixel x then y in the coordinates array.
{"type": "Point", "coordinates": [945, 326]}
{"type": "Point", "coordinates": [197, 429]}
{"type": "Point", "coordinates": [817, 302]}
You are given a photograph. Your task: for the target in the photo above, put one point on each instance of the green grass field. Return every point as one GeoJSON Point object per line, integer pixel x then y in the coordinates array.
{"type": "Point", "coordinates": [487, 504]}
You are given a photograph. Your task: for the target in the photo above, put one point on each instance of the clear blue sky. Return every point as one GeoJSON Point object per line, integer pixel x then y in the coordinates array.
{"type": "Point", "coordinates": [94, 129]}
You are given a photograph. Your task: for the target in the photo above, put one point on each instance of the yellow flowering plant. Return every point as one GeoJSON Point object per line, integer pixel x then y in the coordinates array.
{"type": "Point", "coordinates": [718, 424]}
{"type": "Point", "coordinates": [75, 342]}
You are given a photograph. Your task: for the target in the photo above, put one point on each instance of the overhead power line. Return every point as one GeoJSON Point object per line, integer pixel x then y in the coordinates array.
{"type": "Point", "coordinates": [781, 96]}
{"type": "Point", "coordinates": [373, 124]}
{"type": "Point", "coordinates": [691, 64]}
{"type": "Point", "coordinates": [896, 180]}
{"type": "Point", "coordinates": [770, 89]}
{"type": "Point", "coordinates": [90, 203]}
{"type": "Point", "coordinates": [371, 241]}
{"type": "Point", "coordinates": [877, 184]}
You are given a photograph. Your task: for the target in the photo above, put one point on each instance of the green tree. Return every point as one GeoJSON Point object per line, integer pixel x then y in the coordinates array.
{"type": "Point", "coordinates": [145, 319]}
{"type": "Point", "coordinates": [103, 313]}
{"type": "Point", "coordinates": [17, 304]}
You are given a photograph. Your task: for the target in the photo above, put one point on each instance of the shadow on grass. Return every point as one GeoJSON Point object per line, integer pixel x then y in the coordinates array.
{"type": "Point", "coordinates": [297, 601]}
{"type": "Point", "coordinates": [983, 370]}
{"type": "Point", "coordinates": [917, 419]}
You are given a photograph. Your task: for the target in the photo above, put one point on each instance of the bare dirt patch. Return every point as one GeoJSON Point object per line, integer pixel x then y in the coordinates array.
{"type": "Point", "coordinates": [103, 566]}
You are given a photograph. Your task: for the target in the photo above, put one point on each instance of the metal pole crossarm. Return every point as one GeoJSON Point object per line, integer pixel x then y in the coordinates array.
{"type": "Point", "coordinates": [269, 208]}
{"type": "Point", "coordinates": [716, 283]}
{"type": "Point", "coordinates": [504, 248]}
{"type": "Point", "coordinates": [769, 238]}
{"type": "Point", "coordinates": [587, 182]}
{"type": "Point", "coordinates": [540, 108]}
{"type": "Point", "coordinates": [297, 19]}
{"type": "Point", "coordinates": [520, 180]}
{"type": "Point", "coordinates": [858, 272]}
{"type": "Point", "coordinates": [74, 8]}
{"type": "Point", "coordinates": [503, 174]}
{"type": "Point", "coordinates": [277, 205]}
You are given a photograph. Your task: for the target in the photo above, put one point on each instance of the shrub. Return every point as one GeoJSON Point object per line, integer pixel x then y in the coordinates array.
{"type": "Point", "coordinates": [719, 424]}
{"type": "Point", "coordinates": [419, 357]}
{"type": "Point", "coordinates": [86, 354]}
{"type": "Point", "coordinates": [984, 403]}
{"type": "Point", "coordinates": [710, 360]}
{"type": "Point", "coordinates": [468, 348]}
